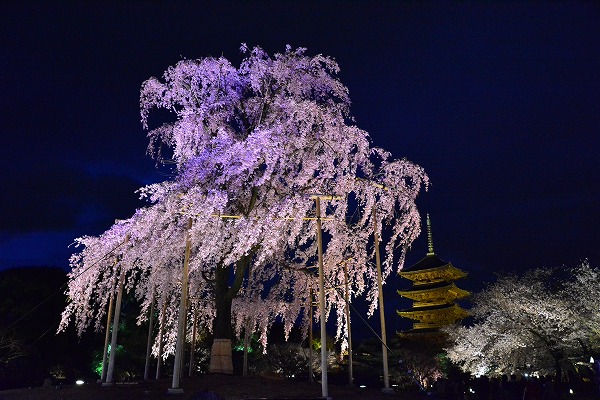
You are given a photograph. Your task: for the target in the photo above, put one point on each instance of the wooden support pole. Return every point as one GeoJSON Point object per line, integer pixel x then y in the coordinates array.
{"type": "Point", "coordinates": [150, 329]}
{"type": "Point", "coordinates": [115, 327]}
{"type": "Point", "coordinates": [386, 377]}
{"type": "Point", "coordinates": [246, 345]}
{"type": "Point", "coordinates": [193, 346]}
{"type": "Point", "coordinates": [107, 336]}
{"type": "Point", "coordinates": [161, 332]}
{"type": "Point", "coordinates": [185, 327]}
{"type": "Point", "coordinates": [324, 387]}
{"type": "Point", "coordinates": [347, 295]}
{"type": "Point", "coordinates": [310, 337]}
{"type": "Point", "coordinates": [175, 387]}
{"type": "Point", "coordinates": [247, 331]}
{"type": "Point", "coordinates": [115, 330]}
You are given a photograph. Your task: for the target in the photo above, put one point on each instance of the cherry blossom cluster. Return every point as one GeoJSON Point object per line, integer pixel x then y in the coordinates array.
{"type": "Point", "coordinates": [252, 145]}
{"type": "Point", "coordinates": [544, 319]}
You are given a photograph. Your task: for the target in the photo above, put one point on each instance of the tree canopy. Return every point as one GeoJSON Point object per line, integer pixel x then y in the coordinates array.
{"type": "Point", "coordinates": [539, 321]}
{"type": "Point", "coordinates": [252, 145]}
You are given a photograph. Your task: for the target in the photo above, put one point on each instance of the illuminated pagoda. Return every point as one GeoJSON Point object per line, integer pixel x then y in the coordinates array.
{"type": "Point", "coordinates": [433, 292]}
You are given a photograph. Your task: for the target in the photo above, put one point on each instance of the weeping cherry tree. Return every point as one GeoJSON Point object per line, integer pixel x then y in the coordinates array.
{"type": "Point", "coordinates": [252, 147]}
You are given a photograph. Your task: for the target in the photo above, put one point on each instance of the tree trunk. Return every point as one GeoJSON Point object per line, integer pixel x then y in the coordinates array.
{"type": "Point", "coordinates": [558, 377]}
{"type": "Point", "coordinates": [222, 328]}
{"type": "Point", "coordinates": [220, 353]}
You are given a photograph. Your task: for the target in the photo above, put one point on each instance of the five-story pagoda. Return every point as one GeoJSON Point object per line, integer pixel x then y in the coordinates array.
{"type": "Point", "coordinates": [433, 292]}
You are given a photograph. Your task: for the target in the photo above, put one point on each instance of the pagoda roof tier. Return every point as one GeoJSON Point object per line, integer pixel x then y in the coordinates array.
{"type": "Point", "coordinates": [445, 306]}
{"type": "Point", "coordinates": [425, 286]}
{"type": "Point", "coordinates": [413, 331]}
{"type": "Point", "coordinates": [437, 292]}
{"type": "Point", "coordinates": [425, 334]}
{"type": "Point", "coordinates": [417, 326]}
{"type": "Point", "coordinates": [431, 261]}
{"type": "Point", "coordinates": [426, 276]}
{"type": "Point", "coordinates": [435, 315]}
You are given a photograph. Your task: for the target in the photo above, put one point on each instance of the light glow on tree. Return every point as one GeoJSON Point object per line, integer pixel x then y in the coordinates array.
{"type": "Point", "coordinates": [253, 143]}
{"type": "Point", "coordinates": [539, 321]}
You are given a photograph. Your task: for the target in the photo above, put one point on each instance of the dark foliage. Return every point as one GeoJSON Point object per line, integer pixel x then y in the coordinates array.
{"type": "Point", "coordinates": [30, 306]}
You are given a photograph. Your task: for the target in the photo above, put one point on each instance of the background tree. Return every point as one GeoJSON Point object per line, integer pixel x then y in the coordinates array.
{"type": "Point", "coordinates": [10, 349]}
{"type": "Point", "coordinates": [420, 357]}
{"type": "Point", "coordinates": [30, 301]}
{"type": "Point", "coordinates": [535, 321]}
{"type": "Point", "coordinates": [250, 146]}
{"type": "Point", "coordinates": [582, 290]}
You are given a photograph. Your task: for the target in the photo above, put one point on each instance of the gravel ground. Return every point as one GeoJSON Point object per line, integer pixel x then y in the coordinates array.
{"type": "Point", "coordinates": [196, 388]}
{"type": "Point", "coordinates": [215, 387]}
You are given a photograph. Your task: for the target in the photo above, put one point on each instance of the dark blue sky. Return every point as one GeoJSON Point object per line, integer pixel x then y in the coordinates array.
{"type": "Point", "coordinates": [500, 103]}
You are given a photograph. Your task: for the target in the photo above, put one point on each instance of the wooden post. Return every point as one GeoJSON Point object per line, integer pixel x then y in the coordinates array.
{"type": "Point", "coordinates": [386, 377]}
{"type": "Point", "coordinates": [150, 329]}
{"type": "Point", "coordinates": [115, 329]}
{"type": "Point", "coordinates": [107, 336]}
{"type": "Point", "coordinates": [246, 345]}
{"type": "Point", "coordinates": [185, 326]}
{"type": "Point", "coordinates": [347, 295]}
{"type": "Point", "coordinates": [193, 349]}
{"type": "Point", "coordinates": [310, 337]}
{"type": "Point", "coordinates": [324, 387]}
{"type": "Point", "coordinates": [161, 331]}
{"type": "Point", "coordinates": [175, 387]}
{"type": "Point", "coordinates": [247, 331]}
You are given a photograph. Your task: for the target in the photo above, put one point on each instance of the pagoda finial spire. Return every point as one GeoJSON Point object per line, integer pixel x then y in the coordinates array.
{"type": "Point", "coordinates": [429, 238]}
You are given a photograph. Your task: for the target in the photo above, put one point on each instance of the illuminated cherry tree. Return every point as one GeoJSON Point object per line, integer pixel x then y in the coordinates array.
{"type": "Point", "coordinates": [538, 321]}
{"type": "Point", "coordinates": [583, 291]}
{"type": "Point", "coordinates": [252, 146]}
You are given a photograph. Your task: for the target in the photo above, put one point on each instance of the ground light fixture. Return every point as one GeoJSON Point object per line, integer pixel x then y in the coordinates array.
{"type": "Point", "coordinates": [79, 382]}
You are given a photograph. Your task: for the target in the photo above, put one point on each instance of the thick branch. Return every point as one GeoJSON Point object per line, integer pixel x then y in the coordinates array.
{"type": "Point", "coordinates": [252, 201]}
{"type": "Point", "coordinates": [240, 270]}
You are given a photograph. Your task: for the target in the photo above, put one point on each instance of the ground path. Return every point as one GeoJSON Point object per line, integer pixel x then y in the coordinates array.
{"type": "Point", "coordinates": [227, 387]}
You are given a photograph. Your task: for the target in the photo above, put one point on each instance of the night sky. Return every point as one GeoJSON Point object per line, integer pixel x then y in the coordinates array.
{"type": "Point", "coordinates": [500, 103]}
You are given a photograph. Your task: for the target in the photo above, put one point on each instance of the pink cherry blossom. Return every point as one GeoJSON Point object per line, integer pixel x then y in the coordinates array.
{"type": "Point", "coordinates": [251, 145]}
